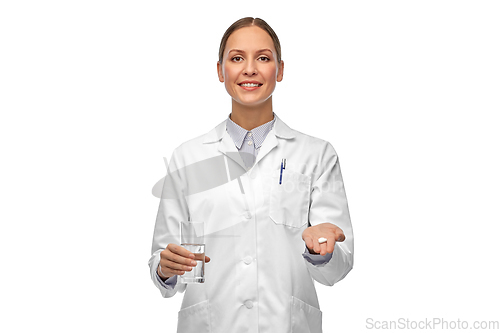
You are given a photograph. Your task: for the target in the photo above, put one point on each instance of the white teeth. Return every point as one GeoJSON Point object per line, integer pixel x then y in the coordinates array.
{"type": "Point", "coordinates": [249, 84]}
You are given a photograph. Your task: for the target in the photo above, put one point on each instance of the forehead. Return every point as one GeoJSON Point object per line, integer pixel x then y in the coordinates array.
{"type": "Point", "coordinates": [249, 39]}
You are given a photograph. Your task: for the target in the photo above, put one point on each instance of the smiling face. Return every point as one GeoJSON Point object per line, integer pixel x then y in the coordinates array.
{"type": "Point", "coordinates": [250, 68]}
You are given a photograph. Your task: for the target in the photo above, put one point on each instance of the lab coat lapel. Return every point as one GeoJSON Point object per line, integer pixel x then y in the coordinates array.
{"type": "Point", "coordinates": [279, 130]}
{"type": "Point", "coordinates": [227, 147]}
{"type": "Point", "coordinates": [225, 144]}
{"type": "Point", "coordinates": [269, 143]}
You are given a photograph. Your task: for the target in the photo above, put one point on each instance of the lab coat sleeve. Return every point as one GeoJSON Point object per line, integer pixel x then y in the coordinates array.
{"type": "Point", "coordinates": [168, 283]}
{"type": "Point", "coordinates": [316, 259]}
{"type": "Point", "coordinates": [172, 209]}
{"type": "Point", "coordinates": [329, 204]}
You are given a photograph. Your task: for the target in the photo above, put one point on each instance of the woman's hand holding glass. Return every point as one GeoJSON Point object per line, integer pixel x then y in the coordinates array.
{"type": "Point", "coordinates": [176, 260]}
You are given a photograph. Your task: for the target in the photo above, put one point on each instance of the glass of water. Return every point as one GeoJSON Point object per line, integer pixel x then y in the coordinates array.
{"type": "Point", "coordinates": [193, 240]}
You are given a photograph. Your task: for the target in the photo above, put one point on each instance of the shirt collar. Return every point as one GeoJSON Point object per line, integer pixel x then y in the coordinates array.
{"type": "Point", "coordinates": [280, 129]}
{"type": "Point", "coordinates": [238, 133]}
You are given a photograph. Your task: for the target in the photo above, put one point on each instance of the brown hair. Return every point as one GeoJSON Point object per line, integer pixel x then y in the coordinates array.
{"type": "Point", "coordinates": [247, 22]}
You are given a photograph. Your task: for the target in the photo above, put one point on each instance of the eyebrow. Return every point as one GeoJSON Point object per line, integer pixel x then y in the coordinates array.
{"type": "Point", "coordinates": [241, 51]}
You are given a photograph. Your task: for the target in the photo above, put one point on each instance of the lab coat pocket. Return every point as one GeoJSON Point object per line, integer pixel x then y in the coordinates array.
{"type": "Point", "coordinates": [289, 201]}
{"type": "Point", "coordinates": [194, 319]}
{"type": "Point", "coordinates": [305, 318]}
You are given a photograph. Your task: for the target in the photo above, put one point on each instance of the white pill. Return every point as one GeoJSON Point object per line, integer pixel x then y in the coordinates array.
{"type": "Point", "coordinates": [322, 240]}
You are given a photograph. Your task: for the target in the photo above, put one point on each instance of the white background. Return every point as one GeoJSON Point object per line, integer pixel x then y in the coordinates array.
{"type": "Point", "coordinates": [95, 93]}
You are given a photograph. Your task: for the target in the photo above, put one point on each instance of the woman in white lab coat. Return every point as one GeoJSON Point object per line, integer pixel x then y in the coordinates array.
{"type": "Point", "coordinates": [268, 196]}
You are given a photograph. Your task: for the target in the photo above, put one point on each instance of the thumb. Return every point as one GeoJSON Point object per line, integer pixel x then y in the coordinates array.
{"type": "Point", "coordinates": [207, 258]}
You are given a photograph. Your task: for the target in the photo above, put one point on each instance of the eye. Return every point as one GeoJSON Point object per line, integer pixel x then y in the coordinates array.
{"type": "Point", "coordinates": [235, 58]}
{"type": "Point", "coordinates": [264, 58]}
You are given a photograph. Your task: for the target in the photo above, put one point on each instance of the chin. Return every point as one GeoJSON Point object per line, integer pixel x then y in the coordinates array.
{"type": "Point", "coordinates": [250, 103]}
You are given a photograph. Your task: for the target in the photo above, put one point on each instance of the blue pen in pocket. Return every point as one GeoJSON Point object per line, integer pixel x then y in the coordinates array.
{"type": "Point", "coordinates": [283, 166]}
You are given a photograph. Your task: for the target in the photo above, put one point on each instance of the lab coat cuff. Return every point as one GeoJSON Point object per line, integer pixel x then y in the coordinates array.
{"type": "Point", "coordinates": [168, 283]}
{"type": "Point", "coordinates": [171, 286]}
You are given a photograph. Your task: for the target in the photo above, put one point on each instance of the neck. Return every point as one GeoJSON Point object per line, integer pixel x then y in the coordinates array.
{"type": "Point", "coordinates": [250, 117]}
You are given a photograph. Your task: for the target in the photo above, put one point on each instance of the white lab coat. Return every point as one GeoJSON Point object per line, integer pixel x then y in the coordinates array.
{"type": "Point", "coordinates": [257, 280]}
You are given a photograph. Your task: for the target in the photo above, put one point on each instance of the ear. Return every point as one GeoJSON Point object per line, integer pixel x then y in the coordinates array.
{"type": "Point", "coordinates": [281, 67]}
{"type": "Point", "coordinates": [220, 73]}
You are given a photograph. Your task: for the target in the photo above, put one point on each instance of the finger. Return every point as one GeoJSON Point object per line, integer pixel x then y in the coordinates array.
{"type": "Point", "coordinates": [179, 259]}
{"type": "Point", "coordinates": [317, 247]}
{"type": "Point", "coordinates": [323, 247]}
{"type": "Point", "coordinates": [179, 270]}
{"type": "Point", "coordinates": [309, 243]}
{"type": "Point", "coordinates": [170, 272]}
{"type": "Point", "coordinates": [207, 258]}
{"type": "Point", "coordinates": [180, 251]}
{"type": "Point", "coordinates": [174, 265]}
{"type": "Point", "coordinates": [199, 256]}
{"type": "Point", "coordinates": [330, 245]}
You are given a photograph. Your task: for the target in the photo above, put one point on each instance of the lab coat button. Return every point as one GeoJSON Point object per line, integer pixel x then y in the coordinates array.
{"type": "Point", "coordinates": [248, 260]}
{"type": "Point", "coordinates": [248, 215]}
{"type": "Point", "coordinates": [249, 304]}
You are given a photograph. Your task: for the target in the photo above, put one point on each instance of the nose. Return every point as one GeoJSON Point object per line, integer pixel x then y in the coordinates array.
{"type": "Point", "coordinates": [250, 68]}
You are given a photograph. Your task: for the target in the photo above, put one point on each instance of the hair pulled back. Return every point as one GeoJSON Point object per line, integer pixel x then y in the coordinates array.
{"type": "Point", "coordinates": [247, 22]}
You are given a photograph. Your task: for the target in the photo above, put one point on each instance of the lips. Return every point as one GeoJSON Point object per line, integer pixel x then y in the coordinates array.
{"type": "Point", "coordinates": [249, 81]}
{"type": "Point", "coordinates": [250, 88]}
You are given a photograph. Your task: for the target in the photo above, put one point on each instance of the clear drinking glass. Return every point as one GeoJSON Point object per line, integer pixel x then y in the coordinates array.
{"type": "Point", "coordinates": [193, 239]}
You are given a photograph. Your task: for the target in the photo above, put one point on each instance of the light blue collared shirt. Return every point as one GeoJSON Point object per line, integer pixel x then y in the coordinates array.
{"type": "Point", "coordinates": [248, 144]}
